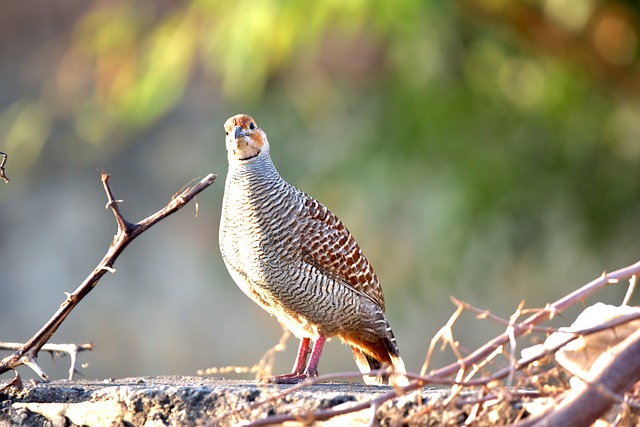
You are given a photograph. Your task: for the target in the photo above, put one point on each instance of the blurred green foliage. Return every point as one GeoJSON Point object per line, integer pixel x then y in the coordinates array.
{"type": "Point", "coordinates": [515, 116]}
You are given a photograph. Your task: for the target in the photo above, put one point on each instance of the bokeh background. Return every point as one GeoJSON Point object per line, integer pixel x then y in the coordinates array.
{"type": "Point", "coordinates": [483, 149]}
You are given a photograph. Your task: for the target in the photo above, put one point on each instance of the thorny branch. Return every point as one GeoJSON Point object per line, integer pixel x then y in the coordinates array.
{"type": "Point", "coordinates": [71, 349]}
{"type": "Point", "coordinates": [614, 379]}
{"type": "Point", "coordinates": [27, 354]}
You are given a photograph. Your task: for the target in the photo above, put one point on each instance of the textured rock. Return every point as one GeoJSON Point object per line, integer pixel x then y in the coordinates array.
{"type": "Point", "coordinates": [185, 401]}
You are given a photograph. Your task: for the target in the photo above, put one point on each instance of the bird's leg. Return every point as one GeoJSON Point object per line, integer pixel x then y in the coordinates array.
{"type": "Point", "coordinates": [312, 368]}
{"type": "Point", "coordinates": [301, 359]}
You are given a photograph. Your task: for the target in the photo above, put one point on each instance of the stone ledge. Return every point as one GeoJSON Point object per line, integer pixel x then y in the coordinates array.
{"type": "Point", "coordinates": [184, 401]}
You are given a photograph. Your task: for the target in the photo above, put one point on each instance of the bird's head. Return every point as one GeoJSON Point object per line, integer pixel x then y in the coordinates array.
{"type": "Point", "coordinates": [244, 139]}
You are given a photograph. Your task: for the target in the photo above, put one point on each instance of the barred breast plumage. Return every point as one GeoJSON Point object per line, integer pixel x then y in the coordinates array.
{"type": "Point", "coordinates": [297, 260]}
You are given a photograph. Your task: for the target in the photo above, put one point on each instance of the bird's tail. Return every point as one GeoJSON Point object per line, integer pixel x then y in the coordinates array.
{"type": "Point", "coordinates": [367, 364]}
{"type": "Point", "coordinates": [386, 354]}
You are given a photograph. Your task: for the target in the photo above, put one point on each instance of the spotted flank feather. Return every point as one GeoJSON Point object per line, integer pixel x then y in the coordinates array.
{"type": "Point", "coordinates": [331, 247]}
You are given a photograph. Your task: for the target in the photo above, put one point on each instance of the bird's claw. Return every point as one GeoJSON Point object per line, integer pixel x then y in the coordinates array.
{"type": "Point", "coordinates": [292, 378]}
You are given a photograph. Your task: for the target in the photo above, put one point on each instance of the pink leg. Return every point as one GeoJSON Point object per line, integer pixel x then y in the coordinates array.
{"type": "Point", "coordinates": [312, 368]}
{"type": "Point", "coordinates": [301, 359]}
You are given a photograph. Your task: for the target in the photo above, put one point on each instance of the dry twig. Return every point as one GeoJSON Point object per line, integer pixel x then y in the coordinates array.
{"type": "Point", "coordinates": [27, 354]}
{"type": "Point", "coordinates": [632, 287]}
{"type": "Point", "coordinates": [262, 369]}
{"type": "Point", "coordinates": [71, 349]}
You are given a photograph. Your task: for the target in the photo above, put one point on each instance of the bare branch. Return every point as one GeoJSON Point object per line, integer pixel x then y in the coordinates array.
{"type": "Point", "coordinates": [127, 232]}
{"type": "Point", "coordinates": [486, 314]}
{"type": "Point", "coordinates": [262, 369]}
{"type": "Point", "coordinates": [71, 349]}
{"type": "Point", "coordinates": [442, 334]}
{"type": "Point", "coordinates": [630, 289]}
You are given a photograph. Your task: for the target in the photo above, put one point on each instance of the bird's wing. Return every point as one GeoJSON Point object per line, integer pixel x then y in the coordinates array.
{"type": "Point", "coordinates": [331, 248]}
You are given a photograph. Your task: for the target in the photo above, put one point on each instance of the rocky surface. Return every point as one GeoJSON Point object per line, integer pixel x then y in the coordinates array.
{"type": "Point", "coordinates": [187, 401]}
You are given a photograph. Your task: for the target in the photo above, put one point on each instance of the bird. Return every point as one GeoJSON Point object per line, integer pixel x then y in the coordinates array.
{"type": "Point", "coordinates": [295, 258]}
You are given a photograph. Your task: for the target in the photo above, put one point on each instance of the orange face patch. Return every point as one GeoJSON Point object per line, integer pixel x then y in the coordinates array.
{"type": "Point", "coordinates": [241, 120]}
{"type": "Point", "coordinates": [244, 139]}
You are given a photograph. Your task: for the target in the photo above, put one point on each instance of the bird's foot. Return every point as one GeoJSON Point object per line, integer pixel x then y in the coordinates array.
{"type": "Point", "coordinates": [292, 378]}
{"type": "Point", "coordinates": [311, 371]}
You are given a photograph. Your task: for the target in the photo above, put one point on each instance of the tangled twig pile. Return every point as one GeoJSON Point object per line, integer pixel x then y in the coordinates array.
{"type": "Point", "coordinates": [492, 385]}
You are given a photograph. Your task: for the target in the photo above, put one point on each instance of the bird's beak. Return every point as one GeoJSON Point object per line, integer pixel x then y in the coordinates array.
{"type": "Point", "coordinates": [238, 132]}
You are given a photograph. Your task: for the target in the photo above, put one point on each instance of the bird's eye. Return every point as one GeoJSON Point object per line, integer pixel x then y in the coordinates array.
{"type": "Point", "coordinates": [252, 126]}
{"type": "Point", "coordinates": [226, 133]}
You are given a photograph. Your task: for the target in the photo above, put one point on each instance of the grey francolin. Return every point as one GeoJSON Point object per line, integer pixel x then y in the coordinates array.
{"type": "Point", "coordinates": [296, 259]}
